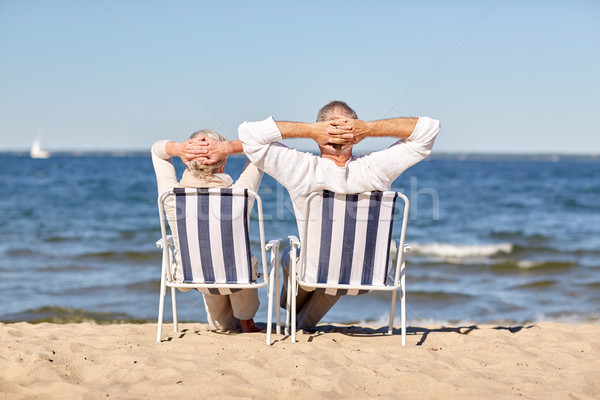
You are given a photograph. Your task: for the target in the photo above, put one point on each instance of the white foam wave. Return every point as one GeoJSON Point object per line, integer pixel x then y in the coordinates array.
{"type": "Point", "coordinates": [572, 318]}
{"type": "Point", "coordinates": [427, 322]}
{"type": "Point", "coordinates": [446, 250]}
{"type": "Point", "coordinates": [526, 264]}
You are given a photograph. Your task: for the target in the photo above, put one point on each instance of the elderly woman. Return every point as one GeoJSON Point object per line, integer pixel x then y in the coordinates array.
{"type": "Point", "coordinates": [224, 312]}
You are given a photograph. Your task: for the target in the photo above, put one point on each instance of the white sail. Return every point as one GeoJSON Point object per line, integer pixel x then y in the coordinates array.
{"type": "Point", "coordinates": [36, 149]}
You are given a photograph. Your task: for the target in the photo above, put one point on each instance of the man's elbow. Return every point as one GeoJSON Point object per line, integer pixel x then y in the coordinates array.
{"type": "Point", "coordinates": [433, 131]}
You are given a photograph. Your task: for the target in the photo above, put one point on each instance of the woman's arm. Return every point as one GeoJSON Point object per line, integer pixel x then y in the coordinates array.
{"type": "Point", "coordinates": [162, 153]}
{"type": "Point", "coordinates": [249, 178]}
{"type": "Point", "coordinates": [166, 177]}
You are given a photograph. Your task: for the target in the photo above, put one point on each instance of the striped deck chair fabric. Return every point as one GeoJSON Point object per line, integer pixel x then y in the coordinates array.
{"type": "Point", "coordinates": [213, 237]}
{"type": "Point", "coordinates": [214, 247]}
{"type": "Point", "coordinates": [350, 244]}
{"type": "Point", "coordinates": [345, 249]}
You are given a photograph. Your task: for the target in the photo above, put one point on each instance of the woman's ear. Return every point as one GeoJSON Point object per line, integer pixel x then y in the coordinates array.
{"type": "Point", "coordinates": [222, 169]}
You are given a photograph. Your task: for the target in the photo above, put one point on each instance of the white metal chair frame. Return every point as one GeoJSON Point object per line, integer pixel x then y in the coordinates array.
{"type": "Point", "coordinates": [398, 281]}
{"type": "Point", "coordinates": [167, 245]}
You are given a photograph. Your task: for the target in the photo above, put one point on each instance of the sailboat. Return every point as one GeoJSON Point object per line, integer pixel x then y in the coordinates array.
{"type": "Point", "coordinates": [36, 149]}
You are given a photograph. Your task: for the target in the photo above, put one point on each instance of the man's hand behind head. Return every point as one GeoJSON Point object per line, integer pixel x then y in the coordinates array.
{"type": "Point", "coordinates": [332, 133]}
{"type": "Point", "coordinates": [353, 130]}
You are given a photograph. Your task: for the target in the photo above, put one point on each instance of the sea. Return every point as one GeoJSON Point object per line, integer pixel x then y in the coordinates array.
{"type": "Point", "coordinates": [506, 240]}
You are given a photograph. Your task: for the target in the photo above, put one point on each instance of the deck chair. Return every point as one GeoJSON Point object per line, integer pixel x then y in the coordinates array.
{"type": "Point", "coordinates": [346, 249]}
{"type": "Point", "coordinates": [214, 247]}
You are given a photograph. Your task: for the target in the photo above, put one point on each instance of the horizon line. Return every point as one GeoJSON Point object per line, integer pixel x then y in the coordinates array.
{"type": "Point", "coordinates": [459, 155]}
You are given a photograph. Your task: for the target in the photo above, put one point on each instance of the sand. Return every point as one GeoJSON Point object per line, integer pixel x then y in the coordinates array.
{"type": "Point", "coordinates": [122, 361]}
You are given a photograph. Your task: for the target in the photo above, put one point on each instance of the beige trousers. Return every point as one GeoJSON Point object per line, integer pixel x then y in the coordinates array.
{"type": "Point", "coordinates": [310, 306]}
{"type": "Point", "coordinates": [224, 311]}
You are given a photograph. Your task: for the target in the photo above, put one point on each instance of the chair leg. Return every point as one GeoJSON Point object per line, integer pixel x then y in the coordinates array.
{"type": "Point", "coordinates": [403, 299]}
{"type": "Point", "coordinates": [174, 304]}
{"type": "Point", "coordinates": [293, 309]}
{"type": "Point", "coordinates": [288, 305]}
{"type": "Point", "coordinates": [270, 308]}
{"type": "Point", "coordinates": [403, 312]}
{"type": "Point", "coordinates": [277, 300]}
{"type": "Point", "coordinates": [161, 307]}
{"type": "Point", "coordinates": [392, 309]}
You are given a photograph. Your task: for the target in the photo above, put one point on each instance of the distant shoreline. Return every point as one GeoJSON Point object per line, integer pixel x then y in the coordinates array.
{"type": "Point", "coordinates": [546, 157]}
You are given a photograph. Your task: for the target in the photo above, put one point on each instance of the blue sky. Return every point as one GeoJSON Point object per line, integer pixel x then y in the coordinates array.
{"type": "Point", "coordinates": [502, 76]}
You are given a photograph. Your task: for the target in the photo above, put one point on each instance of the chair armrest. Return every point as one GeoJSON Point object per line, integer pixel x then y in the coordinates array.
{"type": "Point", "coordinates": [159, 242]}
{"type": "Point", "coordinates": [273, 245]}
{"type": "Point", "coordinates": [406, 246]}
{"type": "Point", "coordinates": [294, 241]}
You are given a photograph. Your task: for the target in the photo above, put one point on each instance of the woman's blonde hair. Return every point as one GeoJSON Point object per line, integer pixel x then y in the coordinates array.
{"type": "Point", "coordinates": [196, 167]}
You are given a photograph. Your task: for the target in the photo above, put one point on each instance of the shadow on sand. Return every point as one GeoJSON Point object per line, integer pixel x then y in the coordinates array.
{"type": "Point", "coordinates": [359, 331]}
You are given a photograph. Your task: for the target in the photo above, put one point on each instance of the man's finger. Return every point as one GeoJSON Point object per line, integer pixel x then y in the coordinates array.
{"type": "Point", "coordinates": [345, 136]}
{"type": "Point", "coordinates": [336, 140]}
{"type": "Point", "coordinates": [341, 130]}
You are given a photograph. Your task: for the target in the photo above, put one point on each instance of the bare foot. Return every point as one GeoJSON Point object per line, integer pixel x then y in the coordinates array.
{"type": "Point", "coordinates": [248, 326]}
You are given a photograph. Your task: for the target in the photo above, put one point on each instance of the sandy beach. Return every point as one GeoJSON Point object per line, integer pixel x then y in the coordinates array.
{"type": "Point", "coordinates": [122, 361]}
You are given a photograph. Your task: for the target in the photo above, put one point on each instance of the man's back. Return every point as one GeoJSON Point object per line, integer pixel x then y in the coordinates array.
{"type": "Point", "coordinates": [302, 173]}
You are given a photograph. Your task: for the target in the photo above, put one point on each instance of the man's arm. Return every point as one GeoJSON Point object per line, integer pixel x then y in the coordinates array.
{"type": "Point", "coordinates": [214, 150]}
{"type": "Point", "coordinates": [344, 130]}
{"type": "Point", "coordinates": [318, 131]}
{"type": "Point", "coordinates": [401, 128]}
{"type": "Point", "coordinates": [389, 163]}
{"type": "Point", "coordinates": [292, 168]}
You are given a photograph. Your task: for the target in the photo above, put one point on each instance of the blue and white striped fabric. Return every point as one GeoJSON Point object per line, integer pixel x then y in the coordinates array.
{"type": "Point", "coordinates": [351, 243]}
{"type": "Point", "coordinates": [213, 238]}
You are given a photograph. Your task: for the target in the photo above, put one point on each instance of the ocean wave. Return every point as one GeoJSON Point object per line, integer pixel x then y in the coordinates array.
{"type": "Point", "coordinates": [20, 252]}
{"type": "Point", "coordinates": [536, 285]}
{"type": "Point", "coordinates": [437, 296]}
{"type": "Point", "coordinates": [59, 239]}
{"type": "Point", "coordinates": [65, 268]}
{"type": "Point", "coordinates": [144, 286]}
{"type": "Point", "coordinates": [124, 255]}
{"type": "Point", "coordinates": [568, 317]}
{"type": "Point", "coordinates": [502, 323]}
{"type": "Point", "coordinates": [517, 234]}
{"type": "Point", "coordinates": [533, 266]}
{"type": "Point", "coordinates": [66, 315]}
{"type": "Point", "coordinates": [446, 250]}
{"type": "Point", "coordinates": [148, 286]}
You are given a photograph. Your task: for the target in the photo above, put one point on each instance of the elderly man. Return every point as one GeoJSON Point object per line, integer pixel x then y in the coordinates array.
{"type": "Point", "coordinates": [336, 131]}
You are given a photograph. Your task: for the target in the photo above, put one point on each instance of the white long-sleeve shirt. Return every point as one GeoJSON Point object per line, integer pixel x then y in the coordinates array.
{"type": "Point", "coordinates": [302, 173]}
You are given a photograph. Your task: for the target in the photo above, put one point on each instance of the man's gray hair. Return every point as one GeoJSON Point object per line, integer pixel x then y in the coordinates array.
{"type": "Point", "coordinates": [329, 110]}
{"type": "Point", "coordinates": [198, 169]}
